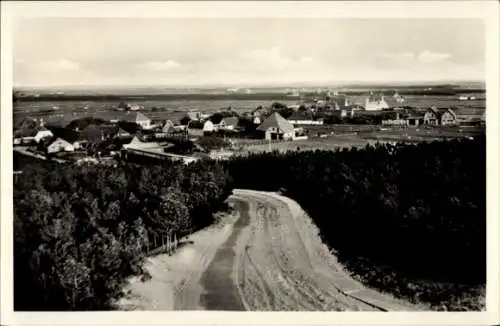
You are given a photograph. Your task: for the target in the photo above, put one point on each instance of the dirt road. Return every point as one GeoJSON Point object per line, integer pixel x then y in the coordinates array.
{"type": "Point", "coordinates": [265, 257]}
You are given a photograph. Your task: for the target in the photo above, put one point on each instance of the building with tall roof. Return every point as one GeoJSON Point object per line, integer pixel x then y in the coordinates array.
{"type": "Point", "coordinates": [277, 127]}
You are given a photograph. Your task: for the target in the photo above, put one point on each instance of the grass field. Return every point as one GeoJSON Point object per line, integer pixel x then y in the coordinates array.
{"type": "Point", "coordinates": [359, 136]}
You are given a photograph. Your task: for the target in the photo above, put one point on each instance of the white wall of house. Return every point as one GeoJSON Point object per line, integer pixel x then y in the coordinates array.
{"type": "Point", "coordinates": [145, 124]}
{"type": "Point", "coordinates": [306, 122]}
{"type": "Point", "coordinates": [60, 145]}
{"type": "Point", "coordinates": [430, 118]}
{"type": "Point", "coordinates": [448, 119]}
{"type": "Point", "coordinates": [208, 126]}
{"type": "Point", "coordinates": [43, 134]}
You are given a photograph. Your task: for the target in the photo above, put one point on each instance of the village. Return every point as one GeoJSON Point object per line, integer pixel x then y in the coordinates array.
{"type": "Point", "coordinates": [222, 134]}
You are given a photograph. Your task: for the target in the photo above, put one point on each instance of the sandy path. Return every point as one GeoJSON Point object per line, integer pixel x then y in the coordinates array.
{"type": "Point", "coordinates": [266, 256]}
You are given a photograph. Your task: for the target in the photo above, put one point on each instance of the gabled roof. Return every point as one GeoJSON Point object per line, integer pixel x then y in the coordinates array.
{"type": "Point", "coordinates": [275, 120]}
{"type": "Point", "coordinates": [57, 139]}
{"type": "Point", "coordinates": [134, 117]}
{"type": "Point", "coordinates": [29, 132]}
{"type": "Point", "coordinates": [440, 111]}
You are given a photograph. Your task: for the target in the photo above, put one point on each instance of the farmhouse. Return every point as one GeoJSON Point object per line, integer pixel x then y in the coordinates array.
{"type": "Point", "coordinates": [208, 127]}
{"type": "Point", "coordinates": [31, 135]}
{"type": "Point", "coordinates": [138, 118]}
{"type": "Point", "coordinates": [441, 116]}
{"type": "Point", "coordinates": [277, 127]}
{"type": "Point", "coordinates": [60, 145]}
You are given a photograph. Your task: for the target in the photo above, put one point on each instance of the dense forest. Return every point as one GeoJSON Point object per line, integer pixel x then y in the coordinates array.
{"type": "Point", "coordinates": [410, 219]}
{"type": "Point", "coordinates": [81, 231]}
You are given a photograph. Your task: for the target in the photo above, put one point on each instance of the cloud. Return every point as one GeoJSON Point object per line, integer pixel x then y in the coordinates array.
{"type": "Point", "coordinates": [271, 59]}
{"type": "Point", "coordinates": [167, 65]}
{"type": "Point", "coordinates": [425, 56]}
{"type": "Point", "coordinates": [403, 57]}
{"type": "Point", "coordinates": [429, 56]}
{"type": "Point", "coordinates": [59, 65]}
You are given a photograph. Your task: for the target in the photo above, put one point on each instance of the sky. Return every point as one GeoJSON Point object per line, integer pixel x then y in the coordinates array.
{"type": "Point", "coordinates": [244, 51]}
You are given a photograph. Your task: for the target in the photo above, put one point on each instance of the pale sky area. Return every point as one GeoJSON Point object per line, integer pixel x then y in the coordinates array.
{"type": "Point", "coordinates": [244, 51]}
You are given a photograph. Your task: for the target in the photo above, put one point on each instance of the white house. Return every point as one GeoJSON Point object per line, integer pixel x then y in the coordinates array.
{"type": "Point", "coordinates": [375, 103]}
{"type": "Point", "coordinates": [31, 135]}
{"type": "Point", "coordinates": [60, 145]}
{"type": "Point", "coordinates": [208, 127]}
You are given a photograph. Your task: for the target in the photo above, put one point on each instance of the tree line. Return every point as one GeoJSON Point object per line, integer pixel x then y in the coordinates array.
{"type": "Point", "coordinates": [80, 231]}
{"type": "Point", "coordinates": [418, 211]}
{"type": "Point", "coordinates": [410, 219]}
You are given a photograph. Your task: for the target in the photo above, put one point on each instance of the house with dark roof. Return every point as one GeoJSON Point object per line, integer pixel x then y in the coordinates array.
{"type": "Point", "coordinates": [94, 132]}
{"type": "Point", "coordinates": [277, 127]}
{"type": "Point", "coordinates": [31, 135]}
{"type": "Point", "coordinates": [138, 118]}
{"type": "Point", "coordinates": [229, 123]}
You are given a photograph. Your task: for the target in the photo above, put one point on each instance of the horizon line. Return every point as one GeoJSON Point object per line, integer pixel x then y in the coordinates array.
{"type": "Point", "coordinates": [263, 85]}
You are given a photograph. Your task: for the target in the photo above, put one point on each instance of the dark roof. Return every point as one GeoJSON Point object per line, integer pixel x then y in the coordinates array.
{"type": "Point", "coordinates": [134, 117]}
{"type": "Point", "coordinates": [28, 132]}
{"type": "Point", "coordinates": [93, 131]}
{"type": "Point", "coordinates": [66, 134]}
{"type": "Point", "coordinates": [301, 116]}
{"type": "Point", "coordinates": [231, 121]}
{"type": "Point", "coordinates": [275, 120]}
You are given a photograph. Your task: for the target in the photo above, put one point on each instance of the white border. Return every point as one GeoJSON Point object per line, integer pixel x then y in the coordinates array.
{"type": "Point", "coordinates": [487, 10]}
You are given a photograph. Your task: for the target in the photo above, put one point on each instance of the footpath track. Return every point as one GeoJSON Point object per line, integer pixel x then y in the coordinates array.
{"type": "Point", "coordinates": [274, 260]}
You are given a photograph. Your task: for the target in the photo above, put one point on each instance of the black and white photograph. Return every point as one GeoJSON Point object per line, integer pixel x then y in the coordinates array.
{"type": "Point", "coordinates": [252, 163]}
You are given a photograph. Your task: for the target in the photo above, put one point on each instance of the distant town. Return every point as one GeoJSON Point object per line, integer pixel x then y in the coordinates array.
{"type": "Point", "coordinates": [317, 114]}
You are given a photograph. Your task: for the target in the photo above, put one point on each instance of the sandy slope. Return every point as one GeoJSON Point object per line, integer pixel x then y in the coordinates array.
{"type": "Point", "coordinates": [265, 257]}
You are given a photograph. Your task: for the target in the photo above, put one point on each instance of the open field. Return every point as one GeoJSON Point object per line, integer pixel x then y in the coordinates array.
{"type": "Point", "coordinates": [174, 107]}
{"type": "Point", "coordinates": [338, 136]}
{"type": "Point", "coordinates": [70, 110]}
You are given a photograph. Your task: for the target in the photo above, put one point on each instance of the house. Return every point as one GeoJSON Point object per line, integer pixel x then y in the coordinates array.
{"type": "Point", "coordinates": [31, 135]}
{"type": "Point", "coordinates": [138, 118]}
{"type": "Point", "coordinates": [208, 127]}
{"type": "Point", "coordinates": [95, 132]}
{"type": "Point", "coordinates": [303, 118]}
{"type": "Point", "coordinates": [440, 117]}
{"type": "Point", "coordinates": [60, 145]}
{"type": "Point", "coordinates": [395, 118]}
{"type": "Point", "coordinates": [339, 102]}
{"type": "Point", "coordinates": [277, 127]}
{"type": "Point", "coordinates": [168, 126]}
{"type": "Point", "coordinates": [122, 134]}
{"type": "Point", "coordinates": [229, 123]}
{"type": "Point", "coordinates": [137, 143]}
{"type": "Point", "coordinates": [375, 102]}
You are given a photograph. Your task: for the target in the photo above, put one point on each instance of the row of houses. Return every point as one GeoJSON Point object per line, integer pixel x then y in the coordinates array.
{"type": "Point", "coordinates": [432, 117]}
